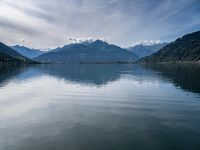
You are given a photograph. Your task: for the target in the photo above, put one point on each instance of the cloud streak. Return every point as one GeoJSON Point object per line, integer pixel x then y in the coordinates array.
{"type": "Point", "coordinates": [50, 23]}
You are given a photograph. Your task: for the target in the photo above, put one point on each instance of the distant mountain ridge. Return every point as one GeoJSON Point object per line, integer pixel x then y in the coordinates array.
{"type": "Point", "coordinates": [25, 51]}
{"type": "Point", "coordinates": [186, 48]}
{"type": "Point", "coordinates": [142, 50]}
{"type": "Point", "coordinates": [8, 55]}
{"type": "Point", "coordinates": [94, 52]}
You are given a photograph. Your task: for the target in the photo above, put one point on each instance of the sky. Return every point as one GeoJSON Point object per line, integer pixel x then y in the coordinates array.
{"type": "Point", "coordinates": [50, 23]}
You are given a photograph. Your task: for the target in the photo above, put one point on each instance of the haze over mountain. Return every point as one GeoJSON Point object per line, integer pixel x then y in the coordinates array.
{"type": "Point", "coordinates": [25, 51]}
{"type": "Point", "coordinates": [8, 56]}
{"type": "Point", "coordinates": [186, 48]}
{"type": "Point", "coordinates": [88, 52]}
{"type": "Point", "coordinates": [143, 50]}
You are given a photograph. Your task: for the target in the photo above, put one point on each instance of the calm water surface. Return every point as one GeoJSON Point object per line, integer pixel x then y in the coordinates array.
{"type": "Point", "coordinates": [100, 107]}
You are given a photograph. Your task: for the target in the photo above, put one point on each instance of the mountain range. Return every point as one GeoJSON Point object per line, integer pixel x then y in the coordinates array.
{"type": "Point", "coordinates": [27, 52]}
{"type": "Point", "coordinates": [10, 56]}
{"type": "Point", "coordinates": [88, 52]}
{"type": "Point", "coordinates": [186, 48]}
{"type": "Point", "coordinates": [143, 50]}
{"type": "Point", "coordinates": [183, 49]}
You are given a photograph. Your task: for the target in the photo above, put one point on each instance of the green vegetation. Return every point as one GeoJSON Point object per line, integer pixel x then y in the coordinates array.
{"type": "Point", "coordinates": [10, 56]}
{"type": "Point", "coordinates": [185, 49]}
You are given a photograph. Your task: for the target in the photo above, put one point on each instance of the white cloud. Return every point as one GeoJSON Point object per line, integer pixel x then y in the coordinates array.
{"type": "Point", "coordinates": [81, 40]}
{"type": "Point", "coordinates": [45, 23]}
{"type": "Point", "coordinates": [147, 42]}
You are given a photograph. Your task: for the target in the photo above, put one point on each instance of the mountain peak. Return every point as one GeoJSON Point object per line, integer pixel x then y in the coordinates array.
{"type": "Point", "coordinates": [186, 48]}
{"type": "Point", "coordinates": [27, 52]}
{"type": "Point", "coordinates": [8, 55]}
{"type": "Point", "coordinates": [19, 46]}
{"type": "Point", "coordinates": [146, 50]}
{"type": "Point", "coordinates": [97, 52]}
{"type": "Point", "coordinates": [100, 42]}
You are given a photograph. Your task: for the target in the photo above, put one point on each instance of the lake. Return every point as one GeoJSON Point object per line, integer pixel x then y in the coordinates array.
{"type": "Point", "coordinates": [100, 107]}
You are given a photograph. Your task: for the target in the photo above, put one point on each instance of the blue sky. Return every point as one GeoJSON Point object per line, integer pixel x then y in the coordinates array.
{"type": "Point", "coordinates": [51, 23]}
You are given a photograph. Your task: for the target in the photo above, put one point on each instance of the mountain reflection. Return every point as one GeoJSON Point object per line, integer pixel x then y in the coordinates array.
{"type": "Point", "coordinates": [89, 74]}
{"type": "Point", "coordinates": [8, 72]}
{"type": "Point", "coordinates": [96, 74]}
{"type": "Point", "coordinates": [183, 76]}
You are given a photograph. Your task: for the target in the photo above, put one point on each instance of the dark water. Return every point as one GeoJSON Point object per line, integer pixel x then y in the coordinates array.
{"type": "Point", "coordinates": [100, 107]}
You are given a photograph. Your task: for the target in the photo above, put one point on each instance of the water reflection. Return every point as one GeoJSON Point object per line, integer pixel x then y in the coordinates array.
{"type": "Point", "coordinates": [183, 76]}
{"type": "Point", "coordinates": [95, 107]}
{"type": "Point", "coordinates": [95, 74]}
{"type": "Point", "coordinates": [8, 72]}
